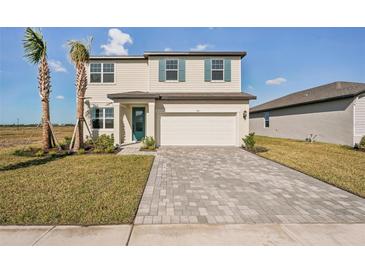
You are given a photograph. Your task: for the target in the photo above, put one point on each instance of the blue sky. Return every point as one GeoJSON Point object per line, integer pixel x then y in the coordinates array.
{"type": "Point", "coordinates": [279, 61]}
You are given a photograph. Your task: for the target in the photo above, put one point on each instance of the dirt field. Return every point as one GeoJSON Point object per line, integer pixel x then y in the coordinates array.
{"type": "Point", "coordinates": [13, 136]}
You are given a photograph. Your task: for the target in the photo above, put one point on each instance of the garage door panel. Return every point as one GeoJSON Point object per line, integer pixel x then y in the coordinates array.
{"type": "Point", "coordinates": [198, 129]}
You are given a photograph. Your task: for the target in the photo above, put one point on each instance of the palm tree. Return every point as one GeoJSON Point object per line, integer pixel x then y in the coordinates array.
{"type": "Point", "coordinates": [79, 54]}
{"type": "Point", "coordinates": [36, 53]}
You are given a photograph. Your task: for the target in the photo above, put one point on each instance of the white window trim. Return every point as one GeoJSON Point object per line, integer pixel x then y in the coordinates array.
{"type": "Point", "coordinates": [211, 71]}
{"type": "Point", "coordinates": [103, 118]}
{"type": "Point", "coordinates": [268, 116]}
{"type": "Point", "coordinates": [102, 75]}
{"type": "Point", "coordinates": [177, 71]}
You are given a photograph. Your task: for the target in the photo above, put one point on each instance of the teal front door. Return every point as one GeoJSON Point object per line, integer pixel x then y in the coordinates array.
{"type": "Point", "coordinates": [138, 124]}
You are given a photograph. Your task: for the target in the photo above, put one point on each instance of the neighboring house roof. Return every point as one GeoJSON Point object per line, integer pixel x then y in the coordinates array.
{"type": "Point", "coordinates": [332, 91]}
{"type": "Point", "coordinates": [183, 95]}
{"type": "Point", "coordinates": [169, 53]}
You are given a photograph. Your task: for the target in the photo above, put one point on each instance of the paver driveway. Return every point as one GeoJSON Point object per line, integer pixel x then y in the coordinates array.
{"type": "Point", "coordinates": [229, 185]}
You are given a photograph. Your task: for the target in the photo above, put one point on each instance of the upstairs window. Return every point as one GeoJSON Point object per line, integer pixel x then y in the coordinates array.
{"type": "Point", "coordinates": [267, 119]}
{"type": "Point", "coordinates": [102, 118]}
{"type": "Point", "coordinates": [217, 70]}
{"type": "Point", "coordinates": [171, 70]}
{"type": "Point", "coordinates": [101, 73]}
{"type": "Point", "coordinates": [95, 73]}
{"type": "Point", "coordinates": [108, 73]}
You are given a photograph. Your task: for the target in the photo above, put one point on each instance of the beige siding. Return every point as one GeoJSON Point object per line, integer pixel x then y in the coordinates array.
{"type": "Point", "coordinates": [194, 77]}
{"type": "Point", "coordinates": [331, 121]}
{"type": "Point", "coordinates": [359, 116]}
{"type": "Point", "coordinates": [130, 75]}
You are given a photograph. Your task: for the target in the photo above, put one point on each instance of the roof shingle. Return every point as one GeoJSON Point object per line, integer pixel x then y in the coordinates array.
{"type": "Point", "coordinates": [332, 91]}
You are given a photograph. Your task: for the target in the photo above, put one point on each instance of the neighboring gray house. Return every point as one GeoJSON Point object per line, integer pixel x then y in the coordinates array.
{"type": "Point", "coordinates": [335, 113]}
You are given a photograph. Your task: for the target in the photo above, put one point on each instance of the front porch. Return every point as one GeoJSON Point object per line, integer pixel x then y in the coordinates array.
{"type": "Point", "coordinates": [133, 120]}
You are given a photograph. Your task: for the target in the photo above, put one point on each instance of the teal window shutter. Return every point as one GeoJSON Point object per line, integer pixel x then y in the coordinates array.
{"type": "Point", "coordinates": [227, 70]}
{"type": "Point", "coordinates": [161, 70]}
{"type": "Point", "coordinates": [207, 70]}
{"type": "Point", "coordinates": [181, 70]}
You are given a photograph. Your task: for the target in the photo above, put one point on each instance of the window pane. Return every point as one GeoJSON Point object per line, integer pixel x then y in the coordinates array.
{"type": "Point", "coordinates": [109, 123]}
{"type": "Point", "coordinates": [171, 64]}
{"type": "Point", "coordinates": [139, 126]}
{"type": "Point", "coordinates": [108, 67]}
{"type": "Point", "coordinates": [108, 78]}
{"type": "Point", "coordinates": [109, 113]}
{"type": "Point", "coordinates": [217, 64]}
{"type": "Point", "coordinates": [97, 113]}
{"type": "Point", "coordinates": [97, 123]}
{"type": "Point", "coordinates": [95, 78]}
{"type": "Point", "coordinates": [171, 75]}
{"type": "Point", "coordinates": [95, 67]}
{"type": "Point", "coordinates": [267, 123]}
{"type": "Point", "coordinates": [217, 75]}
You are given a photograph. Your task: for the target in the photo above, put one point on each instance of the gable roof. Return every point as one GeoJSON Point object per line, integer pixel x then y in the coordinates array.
{"type": "Point", "coordinates": [169, 53]}
{"type": "Point", "coordinates": [328, 92]}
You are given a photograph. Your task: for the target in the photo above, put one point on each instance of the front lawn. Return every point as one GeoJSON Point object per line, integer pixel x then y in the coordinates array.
{"type": "Point", "coordinates": [338, 165]}
{"type": "Point", "coordinates": [77, 189]}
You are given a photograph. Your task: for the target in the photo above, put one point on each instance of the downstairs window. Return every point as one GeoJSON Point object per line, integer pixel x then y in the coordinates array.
{"type": "Point", "coordinates": [102, 118]}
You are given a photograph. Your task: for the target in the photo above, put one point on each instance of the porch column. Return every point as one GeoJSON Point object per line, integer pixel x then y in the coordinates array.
{"type": "Point", "coordinates": [116, 123]}
{"type": "Point", "coordinates": [150, 127]}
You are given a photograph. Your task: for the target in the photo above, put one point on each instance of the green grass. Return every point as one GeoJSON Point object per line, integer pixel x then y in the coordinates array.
{"type": "Point", "coordinates": [78, 189]}
{"type": "Point", "coordinates": [338, 165]}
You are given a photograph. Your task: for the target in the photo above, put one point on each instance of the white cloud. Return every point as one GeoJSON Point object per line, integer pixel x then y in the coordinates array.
{"type": "Point", "coordinates": [200, 47]}
{"type": "Point", "coordinates": [276, 81]}
{"type": "Point", "coordinates": [116, 42]}
{"type": "Point", "coordinates": [56, 66]}
{"type": "Point", "coordinates": [250, 87]}
{"type": "Point", "coordinates": [60, 97]}
{"type": "Point", "coordinates": [168, 49]}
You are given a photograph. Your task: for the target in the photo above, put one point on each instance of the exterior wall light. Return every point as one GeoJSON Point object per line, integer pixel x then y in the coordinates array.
{"type": "Point", "coordinates": [244, 114]}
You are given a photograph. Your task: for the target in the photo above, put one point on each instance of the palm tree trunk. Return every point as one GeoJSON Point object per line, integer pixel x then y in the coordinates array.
{"type": "Point", "coordinates": [44, 91]}
{"type": "Point", "coordinates": [46, 140]}
{"type": "Point", "coordinates": [81, 83]}
{"type": "Point", "coordinates": [79, 141]}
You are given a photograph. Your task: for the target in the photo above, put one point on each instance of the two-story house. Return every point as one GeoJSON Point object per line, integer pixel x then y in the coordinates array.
{"type": "Point", "coordinates": [179, 98]}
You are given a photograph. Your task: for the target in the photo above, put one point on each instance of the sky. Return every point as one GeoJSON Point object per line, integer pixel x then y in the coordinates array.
{"type": "Point", "coordinates": [279, 61]}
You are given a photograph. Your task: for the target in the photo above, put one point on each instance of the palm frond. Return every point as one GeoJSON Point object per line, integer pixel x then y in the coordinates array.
{"type": "Point", "coordinates": [79, 51]}
{"type": "Point", "coordinates": [34, 45]}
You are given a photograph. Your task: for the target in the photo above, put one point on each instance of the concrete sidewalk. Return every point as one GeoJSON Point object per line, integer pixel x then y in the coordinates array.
{"type": "Point", "coordinates": [249, 234]}
{"type": "Point", "coordinates": [186, 234]}
{"type": "Point", "coordinates": [110, 235]}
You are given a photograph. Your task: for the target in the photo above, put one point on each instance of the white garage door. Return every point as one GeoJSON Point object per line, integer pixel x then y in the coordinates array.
{"type": "Point", "coordinates": [198, 129]}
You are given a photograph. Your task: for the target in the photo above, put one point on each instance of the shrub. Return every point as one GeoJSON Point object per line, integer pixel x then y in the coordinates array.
{"type": "Point", "coordinates": [149, 143]}
{"type": "Point", "coordinates": [80, 151]}
{"type": "Point", "coordinates": [65, 144]}
{"type": "Point", "coordinates": [39, 153]}
{"type": "Point", "coordinates": [311, 138]}
{"type": "Point", "coordinates": [104, 143]}
{"type": "Point", "coordinates": [362, 142]}
{"type": "Point", "coordinates": [249, 141]}
{"type": "Point", "coordinates": [53, 153]}
{"type": "Point", "coordinates": [27, 151]}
